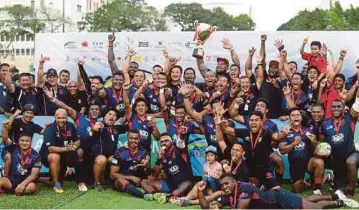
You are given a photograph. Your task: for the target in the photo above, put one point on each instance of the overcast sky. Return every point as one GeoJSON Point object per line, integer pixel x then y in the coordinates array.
{"type": "Point", "coordinates": [267, 14]}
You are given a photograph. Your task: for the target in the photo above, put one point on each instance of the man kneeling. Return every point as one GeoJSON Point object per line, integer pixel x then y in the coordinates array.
{"type": "Point", "coordinates": [25, 164]}
{"type": "Point", "coordinates": [175, 168]}
{"type": "Point", "coordinates": [129, 165]}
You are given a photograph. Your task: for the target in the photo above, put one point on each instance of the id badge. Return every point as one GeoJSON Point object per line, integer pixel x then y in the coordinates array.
{"type": "Point", "coordinates": [118, 107]}
{"type": "Point", "coordinates": [113, 138]}
{"type": "Point", "coordinates": [66, 143]}
{"type": "Point", "coordinates": [310, 95]}
{"type": "Point", "coordinates": [79, 101]}
{"type": "Point", "coordinates": [246, 107]}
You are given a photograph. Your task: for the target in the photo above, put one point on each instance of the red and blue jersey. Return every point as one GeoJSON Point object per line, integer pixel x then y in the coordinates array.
{"type": "Point", "coordinates": [115, 99]}
{"type": "Point", "coordinates": [142, 125]}
{"type": "Point", "coordinates": [340, 136]}
{"type": "Point", "coordinates": [128, 161]}
{"type": "Point", "coordinates": [303, 151]}
{"type": "Point", "coordinates": [153, 100]}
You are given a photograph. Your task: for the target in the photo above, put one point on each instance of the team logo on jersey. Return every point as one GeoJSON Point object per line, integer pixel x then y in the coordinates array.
{"type": "Point", "coordinates": [174, 169]}
{"type": "Point", "coordinates": [338, 138]}
{"type": "Point", "coordinates": [243, 195]}
{"type": "Point", "coordinates": [114, 161]}
{"type": "Point", "coordinates": [269, 175]}
{"type": "Point", "coordinates": [246, 138]}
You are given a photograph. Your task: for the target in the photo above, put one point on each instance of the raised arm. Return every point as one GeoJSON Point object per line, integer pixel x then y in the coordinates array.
{"type": "Point", "coordinates": [260, 74]}
{"type": "Point", "coordinates": [305, 41]}
{"type": "Point", "coordinates": [228, 46]}
{"type": "Point", "coordinates": [322, 85]}
{"type": "Point", "coordinates": [188, 105]}
{"type": "Point", "coordinates": [167, 64]}
{"type": "Point", "coordinates": [80, 81]}
{"type": "Point", "coordinates": [111, 54]}
{"type": "Point", "coordinates": [219, 135]}
{"type": "Point", "coordinates": [70, 111]}
{"type": "Point", "coordinates": [83, 75]}
{"type": "Point", "coordinates": [5, 133]}
{"type": "Point", "coordinates": [8, 83]}
{"type": "Point", "coordinates": [331, 72]}
{"type": "Point", "coordinates": [354, 111]}
{"type": "Point", "coordinates": [127, 79]}
{"type": "Point", "coordinates": [263, 48]}
{"type": "Point", "coordinates": [40, 73]}
{"type": "Point", "coordinates": [126, 100]}
{"type": "Point", "coordinates": [287, 91]}
{"type": "Point", "coordinates": [233, 110]}
{"type": "Point", "coordinates": [248, 66]}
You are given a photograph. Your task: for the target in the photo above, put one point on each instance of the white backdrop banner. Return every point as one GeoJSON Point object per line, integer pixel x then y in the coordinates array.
{"type": "Point", "coordinates": [62, 51]}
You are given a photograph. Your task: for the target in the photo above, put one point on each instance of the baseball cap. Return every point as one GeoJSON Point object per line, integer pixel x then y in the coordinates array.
{"type": "Point", "coordinates": [29, 107]}
{"type": "Point", "coordinates": [223, 59]}
{"type": "Point", "coordinates": [211, 149]}
{"type": "Point", "coordinates": [51, 72]}
{"type": "Point", "coordinates": [274, 63]}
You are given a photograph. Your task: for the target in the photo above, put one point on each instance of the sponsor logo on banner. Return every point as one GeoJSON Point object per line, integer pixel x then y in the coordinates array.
{"type": "Point", "coordinates": [143, 44]}
{"type": "Point", "coordinates": [190, 44]}
{"type": "Point", "coordinates": [137, 58]}
{"type": "Point", "coordinates": [160, 44]}
{"type": "Point", "coordinates": [97, 44]}
{"type": "Point", "coordinates": [96, 59]}
{"type": "Point", "coordinates": [179, 44]}
{"type": "Point", "coordinates": [70, 45]}
{"type": "Point", "coordinates": [84, 44]}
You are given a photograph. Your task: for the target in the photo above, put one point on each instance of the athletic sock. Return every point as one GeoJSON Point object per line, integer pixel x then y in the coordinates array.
{"type": "Point", "coordinates": [318, 183]}
{"type": "Point", "coordinates": [132, 189]}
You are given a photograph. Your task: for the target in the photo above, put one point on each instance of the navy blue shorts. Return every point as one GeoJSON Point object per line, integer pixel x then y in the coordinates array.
{"type": "Point", "coordinates": [297, 170]}
{"type": "Point", "coordinates": [168, 187]}
{"type": "Point", "coordinates": [288, 200]}
{"type": "Point", "coordinates": [265, 176]}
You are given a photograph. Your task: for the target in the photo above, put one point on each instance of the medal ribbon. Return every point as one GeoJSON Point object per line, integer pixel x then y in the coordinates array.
{"type": "Point", "coordinates": [254, 144]}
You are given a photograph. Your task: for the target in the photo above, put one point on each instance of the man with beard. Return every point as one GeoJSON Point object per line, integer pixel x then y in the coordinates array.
{"type": "Point", "coordinates": [85, 127]}
{"type": "Point", "coordinates": [112, 96]}
{"type": "Point", "coordinates": [137, 117]}
{"type": "Point", "coordinates": [222, 63]}
{"type": "Point", "coordinates": [338, 131]}
{"type": "Point", "coordinates": [129, 165]}
{"type": "Point", "coordinates": [317, 118]}
{"type": "Point", "coordinates": [59, 148]}
{"type": "Point", "coordinates": [16, 128]}
{"type": "Point", "coordinates": [240, 195]}
{"type": "Point", "coordinates": [64, 77]}
{"type": "Point", "coordinates": [210, 80]}
{"type": "Point", "coordinates": [257, 144]}
{"type": "Point", "coordinates": [75, 98]}
{"type": "Point", "coordinates": [103, 144]}
{"type": "Point", "coordinates": [175, 168]}
{"type": "Point", "coordinates": [299, 146]}
{"type": "Point", "coordinates": [189, 74]}
{"type": "Point", "coordinates": [25, 164]}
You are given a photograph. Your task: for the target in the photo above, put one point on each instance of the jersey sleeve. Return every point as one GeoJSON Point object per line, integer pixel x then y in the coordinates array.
{"type": "Point", "coordinates": [246, 191]}
{"type": "Point", "coordinates": [37, 161]}
{"type": "Point", "coordinates": [75, 136]}
{"type": "Point", "coordinates": [49, 137]}
{"type": "Point", "coordinates": [11, 148]}
{"type": "Point", "coordinates": [37, 128]}
{"type": "Point", "coordinates": [240, 132]}
{"type": "Point", "coordinates": [306, 56]}
{"type": "Point", "coordinates": [116, 158]}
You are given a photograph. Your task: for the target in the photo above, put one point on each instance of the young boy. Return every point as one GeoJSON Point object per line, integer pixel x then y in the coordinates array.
{"type": "Point", "coordinates": [315, 58]}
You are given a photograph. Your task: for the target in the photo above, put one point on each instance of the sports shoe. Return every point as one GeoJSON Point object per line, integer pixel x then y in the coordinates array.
{"type": "Point", "coordinates": [174, 200]}
{"type": "Point", "coordinates": [82, 187]}
{"type": "Point", "coordinates": [184, 202]}
{"type": "Point", "coordinates": [57, 188]}
{"type": "Point", "coordinates": [347, 201]}
{"type": "Point", "coordinates": [98, 187]}
{"type": "Point", "coordinates": [2, 169]}
{"type": "Point", "coordinates": [317, 192]}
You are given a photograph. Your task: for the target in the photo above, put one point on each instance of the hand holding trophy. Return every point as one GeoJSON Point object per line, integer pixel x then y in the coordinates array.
{"type": "Point", "coordinates": [202, 33]}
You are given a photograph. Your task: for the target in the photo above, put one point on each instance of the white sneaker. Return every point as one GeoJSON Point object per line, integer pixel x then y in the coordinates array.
{"type": "Point", "coordinates": [317, 192]}
{"type": "Point", "coordinates": [347, 201]}
{"type": "Point", "coordinates": [341, 195]}
{"type": "Point", "coordinates": [82, 187]}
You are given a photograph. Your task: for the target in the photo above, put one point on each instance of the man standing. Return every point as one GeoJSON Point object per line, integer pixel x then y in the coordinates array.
{"type": "Point", "coordinates": [129, 166]}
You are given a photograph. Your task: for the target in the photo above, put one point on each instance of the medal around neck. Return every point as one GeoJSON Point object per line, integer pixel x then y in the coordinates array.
{"type": "Point", "coordinates": [202, 32]}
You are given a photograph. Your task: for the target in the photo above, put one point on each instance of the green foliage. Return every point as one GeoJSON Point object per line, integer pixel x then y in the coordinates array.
{"type": "Point", "coordinates": [185, 14]}
{"type": "Point", "coordinates": [336, 18]}
{"type": "Point", "coordinates": [124, 15]}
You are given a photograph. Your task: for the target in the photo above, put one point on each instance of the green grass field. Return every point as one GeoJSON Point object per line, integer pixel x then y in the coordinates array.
{"type": "Point", "coordinates": [45, 198]}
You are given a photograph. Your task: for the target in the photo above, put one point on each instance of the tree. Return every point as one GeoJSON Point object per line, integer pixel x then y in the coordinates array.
{"type": "Point", "coordinates": [333, 19]}
{"type": "Point", "coordinates": [52, 18]}
{"type": "Point", "coordinates": [120, 15]}
{"type": "Point", "coordinates": [185, 14]}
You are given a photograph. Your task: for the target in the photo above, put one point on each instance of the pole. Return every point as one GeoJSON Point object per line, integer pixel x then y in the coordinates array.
{"type": "Point", "coordinates": [63, 15]}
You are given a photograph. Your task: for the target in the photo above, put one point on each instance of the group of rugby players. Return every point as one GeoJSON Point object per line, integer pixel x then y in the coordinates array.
{"type": "Point", "coordinates": [244, 168]}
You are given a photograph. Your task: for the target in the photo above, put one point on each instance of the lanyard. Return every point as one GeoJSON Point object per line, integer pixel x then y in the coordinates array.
{"type": "Point", "coordinates": [296, 99]}
{"type": "Point", "coordinates": [117, 99]}
{"type": "Point", "coordinates": [337, 125]}
{"type": "Point", "coordinates": [233, 200]}
{"type": "Point", "coordinates": [234, 171]}
{"type": "Point", "coordinates": [255, 142]}
{"type": "Point", "coordinates": [24, 157]}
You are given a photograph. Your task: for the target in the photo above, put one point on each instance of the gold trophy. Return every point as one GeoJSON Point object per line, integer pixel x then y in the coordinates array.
{"type": "Point", "coordinates": [202, 33]}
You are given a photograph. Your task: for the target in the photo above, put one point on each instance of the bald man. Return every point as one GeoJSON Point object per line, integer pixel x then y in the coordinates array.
{"type": "Point", "coordinates": [75, 98]}
{"type": "Point", "coordinates": [59, 148]}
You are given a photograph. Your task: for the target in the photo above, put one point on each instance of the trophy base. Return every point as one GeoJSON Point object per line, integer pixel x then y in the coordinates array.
{"type": "Point", "coordinates": [198, 53]}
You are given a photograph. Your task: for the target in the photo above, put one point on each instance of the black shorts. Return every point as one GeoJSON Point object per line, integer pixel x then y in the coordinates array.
{"type": "Point", "coordinates": [297, 170]}
{"type": "Point", "coordinates": [66, 158]}
{"type": "Point", "coordinates": [265, 176]}
{"type": "Point", "coordinates": [14, 183]}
